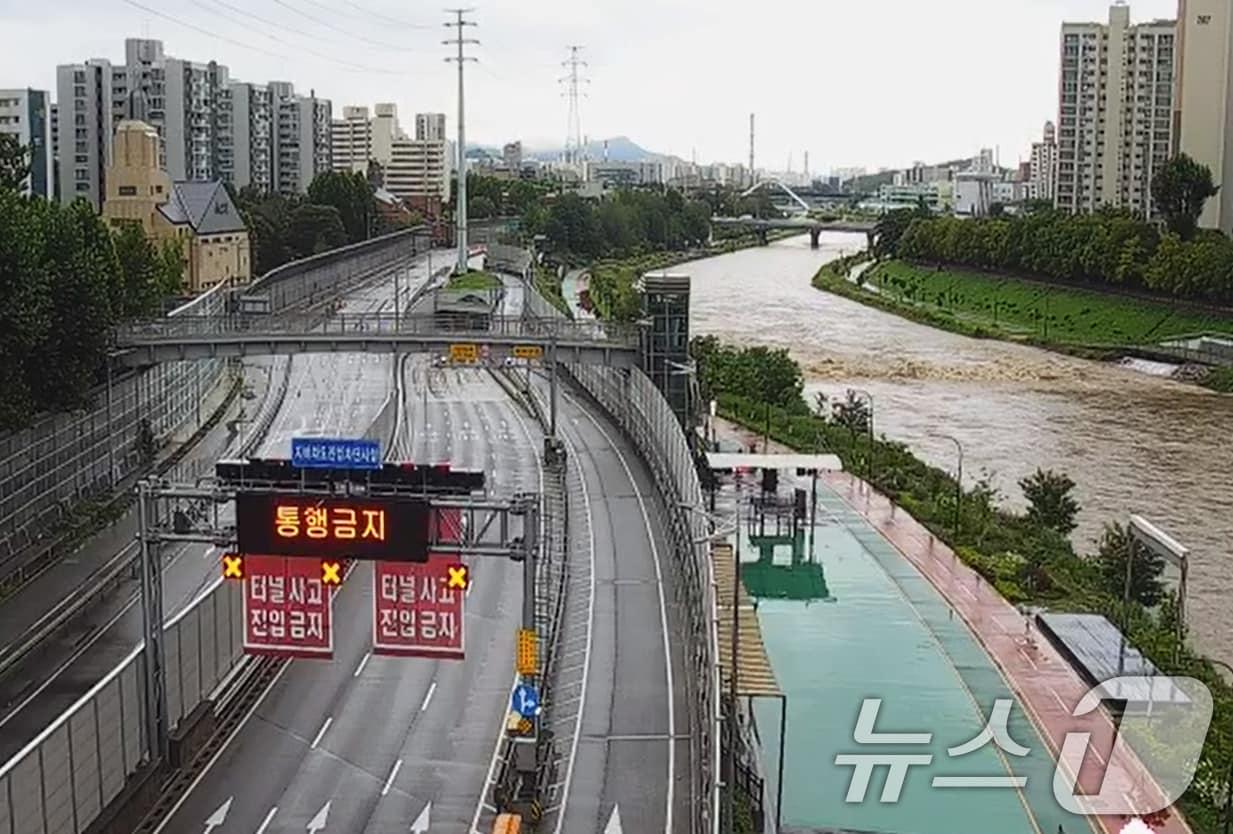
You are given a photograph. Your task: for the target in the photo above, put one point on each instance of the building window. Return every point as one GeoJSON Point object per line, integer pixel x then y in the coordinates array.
{"type": "Point", "coordinates": [128, 191]}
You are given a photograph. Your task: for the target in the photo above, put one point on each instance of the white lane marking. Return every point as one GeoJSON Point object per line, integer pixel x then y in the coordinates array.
{"type": "Point", "coordinates": [223, 749]}
{"type": "Point", "coordinates": [481, 804]}
{"type": "Point", "coordinates": [219, 816]}
{"type": "Point", "coordinates": [586, 656]}
{"type": "Point", "coordinates": [1058, 698]}
{"type": "Point", "coordinates": [614, 822]}
{"type": "Point", "coordinates": [390, 780]}
{"type": "Point", "coordinates": [363, 663]}
{"type": "Point", "coordinates": [663, 618]}
{"type": "Point", "coordinates": [210, 552]}
{"type": "Point", "coordinates": [428, 696]}
{"type": "Point", "coordinates": [328, 721]}
{"type": "Point", "coordinates": [266, 822]}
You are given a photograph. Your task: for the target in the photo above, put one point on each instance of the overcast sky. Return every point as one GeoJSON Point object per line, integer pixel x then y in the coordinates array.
{"type": "Point", "coordinates": [854, 82]}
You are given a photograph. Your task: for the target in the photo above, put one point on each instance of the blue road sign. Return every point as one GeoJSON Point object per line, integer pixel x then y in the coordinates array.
{"type": "Point", "coordinates": [335, 453]}
{"type": "Point", "coordinates": [525, 700]}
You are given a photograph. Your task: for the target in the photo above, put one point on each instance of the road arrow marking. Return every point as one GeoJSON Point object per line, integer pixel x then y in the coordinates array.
{"type": "Point", "coordinates": [420, 826]}
{"type": "Point", "coordinates": [218, 817]}
{"type": "Point", "coordinates": [318, 822]}
{"type": "Point", "coordinates": [614, 822]}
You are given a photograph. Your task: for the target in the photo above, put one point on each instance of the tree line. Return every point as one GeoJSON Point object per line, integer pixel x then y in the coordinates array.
{"type": "Point", "coordinates": [1110, 247]}
{"type": "Point", "coordinates": [339, 208]}
{"type": "Point", "coordinates": [625, 223]}
{"type": "Point", "coordinates": [65, 280]}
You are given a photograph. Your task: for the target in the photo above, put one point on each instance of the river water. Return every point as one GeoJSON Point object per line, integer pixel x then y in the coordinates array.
{"type": "Point", "coordinates": [1132, 440]}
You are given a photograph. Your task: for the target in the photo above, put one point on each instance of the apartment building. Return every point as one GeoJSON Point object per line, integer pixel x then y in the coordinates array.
{"type": "Point", "coordinates": [252, 119]}
{"type": "Point", "coordinates": [209, 126]}
{"type": "Point", "coordinates": [1042, 170]}
{"type": "Point", "coordinates": [430, 127]}
{"type": "Point", "coordinates": [300, 136]}
{"type": "Point", "coordinates": [1115, 111]}
{"type": "Point", "coordinates": [25, 114]}
{"type": "Point", "coordinates": [84, 106]}
{"type": "Point", "coordinates": [351, 140]}
{"type": "Point", "coordinates": [1203, 109]}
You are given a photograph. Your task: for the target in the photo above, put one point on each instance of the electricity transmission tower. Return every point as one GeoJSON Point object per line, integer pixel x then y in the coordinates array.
{"type": "Point", "coordinates": [460, 23]}
{"type": "Point", "coordinates": [573, 135]}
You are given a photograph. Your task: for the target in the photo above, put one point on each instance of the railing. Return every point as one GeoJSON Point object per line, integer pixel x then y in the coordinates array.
{"type": "Point", "coordinates": [538, 328]}
{"type": "Point", "coordinates": [637, 406]}
{"type": "Point", "coordinates": [64, 458]}
{"type": "Point", "coordinates": [62, 780]}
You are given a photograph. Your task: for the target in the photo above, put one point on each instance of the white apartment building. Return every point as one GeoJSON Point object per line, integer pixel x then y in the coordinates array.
{"type": "Point", "coordinates": [252, 119]}
{"type": "Point", "coordinates": [1042, 177]}
{"type": "Point", "coordinates": [1115, 111]}
{"type": "Point", "coordinates": [26, 115]}
{"type": "Point", "coordinates": [300, 138]}
{"type": "Point", "coordinates": [613, 174]}
{"type": "Point", "coordinates": [416, 170]}
{"type": "Point", "coordinates": [351, 140]}
{"type": "Point", "coordinates": [1204, 123]}
{"type": "Point", "coordinates": [210, 127]}
{"type": "Point", "coordinates": [430, 127]}
{"type": "Point", "coordinates": [84, 104]}
{"type": "Point", "coordinates": [974, 192]}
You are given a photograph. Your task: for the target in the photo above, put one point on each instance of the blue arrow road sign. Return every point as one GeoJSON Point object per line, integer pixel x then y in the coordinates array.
{"type": "Point", "coordinates": [526, 700]}
{"type": "Point", "coordinates": [335, 453]}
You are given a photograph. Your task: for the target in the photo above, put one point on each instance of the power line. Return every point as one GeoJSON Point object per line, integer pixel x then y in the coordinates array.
{"type": "Point", "coordinates": [345, 64]}
{"type": "Point", "coordinates": [379, 44]}
{"type": "Point", "coordinates": [461, 58]}
{"type": "Point", "coordinates": [200, 30]}
{"type": "Point", "coordinates": [573, 130]}
{"type": "Point", "coordinates": [388, 19]}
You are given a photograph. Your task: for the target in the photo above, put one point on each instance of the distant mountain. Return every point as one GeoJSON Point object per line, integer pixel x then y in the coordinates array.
{"type": "Point", "coordinates": [620, 149]}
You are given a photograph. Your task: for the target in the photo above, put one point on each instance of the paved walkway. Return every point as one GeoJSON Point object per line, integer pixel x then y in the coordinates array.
{"type": "Point", "coordinates": [1046, 685]}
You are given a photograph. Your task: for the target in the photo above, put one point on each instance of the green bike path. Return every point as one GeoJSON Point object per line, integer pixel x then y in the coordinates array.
{"type": "Point", "coordinates": [878, 629]}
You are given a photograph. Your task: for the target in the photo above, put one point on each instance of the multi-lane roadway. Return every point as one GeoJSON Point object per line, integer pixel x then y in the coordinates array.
{"type": "Point", "coordinates": [366, 743]}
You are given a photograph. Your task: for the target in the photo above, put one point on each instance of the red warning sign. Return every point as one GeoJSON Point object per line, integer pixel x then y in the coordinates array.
{"type": "Point", "coordinates": [418, 608]}
{"type": "Point", "coordinates": [286, 608]}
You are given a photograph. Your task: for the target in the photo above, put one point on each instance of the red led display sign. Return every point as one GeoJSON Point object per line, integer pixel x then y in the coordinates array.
{"type": "Point", "coordinates": [393, 529]}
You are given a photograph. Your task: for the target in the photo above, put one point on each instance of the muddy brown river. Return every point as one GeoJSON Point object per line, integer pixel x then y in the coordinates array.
{"type": "Point", "coordinates": [1133, 441]}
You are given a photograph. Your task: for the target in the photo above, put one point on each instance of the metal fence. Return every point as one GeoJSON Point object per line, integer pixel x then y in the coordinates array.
{"type": "Point", "coordinates": [324, 276]}
{"type": "Point", "coordinates": [63, 458]}
{"type": "Point", "coordinates": [64, 778]}
{"type": "Point", "coordinates": [637, 406]}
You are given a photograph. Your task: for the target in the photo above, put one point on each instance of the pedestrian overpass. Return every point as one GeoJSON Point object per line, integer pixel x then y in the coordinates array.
{"type": "Point", "coordinates": [494, 338]}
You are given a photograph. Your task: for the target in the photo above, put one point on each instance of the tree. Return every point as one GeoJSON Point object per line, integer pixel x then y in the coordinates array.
{"type": "Point", "coordinates": [1179, 190]}
{"type": "Point", "coordinates": [140, 269]}
{"type": "Point", "coordinates": [1145, 585]}
{"type": "Point", "coordinates": [350, 194]}
{"type": "Point", "coordinates": [1049, 501]}
{"type": "Point", "coordinates": [481, 207]}
{"type": "Point", "coordinates": [81, 267]}
{"type": "Point", "coordinates": [891, 227]}
{"type": "Point", "coordinates": [312, 229]}
{"type": "Point", "coordinates": [171, 273]}
{"type": "Point", "coordinates": [24, 298]}
{"type": "Point", "coordinates": [14, 163]}
{"type": "Point", "coordinates": [852, 413]}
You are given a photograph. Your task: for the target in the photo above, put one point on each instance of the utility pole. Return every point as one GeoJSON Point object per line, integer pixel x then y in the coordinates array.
{"type": "Point", "coordinates": [460, 23]}
{"type": "Point", "coordinates": [753, 179]}
{"type": "Point", "coordinates": [573, 130]}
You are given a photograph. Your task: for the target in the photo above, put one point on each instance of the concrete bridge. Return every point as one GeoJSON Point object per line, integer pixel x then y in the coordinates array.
{"type": "Point", "coordinates": [762, 226]}
{"type": "Point", "coordinates": [467, 339]}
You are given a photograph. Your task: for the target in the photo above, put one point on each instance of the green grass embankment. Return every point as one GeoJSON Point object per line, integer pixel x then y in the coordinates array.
{"type": "Point", "coordinates": [474, 280]}
{"type": "Point", "coordinates": [1067, 319]}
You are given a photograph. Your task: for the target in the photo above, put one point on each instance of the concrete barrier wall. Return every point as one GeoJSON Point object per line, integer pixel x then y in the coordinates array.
{"type": "Point", "coordinates": [66, 776]}
{"type": "Point", "coordinates": [323, 277]}
{"type": "Point", "coordinates": [63, 458]}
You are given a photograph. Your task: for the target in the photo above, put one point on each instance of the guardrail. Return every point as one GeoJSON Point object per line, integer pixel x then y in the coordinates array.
{"type": "Point", "coordinates": [63, 779]}
{"type": "Point", "coordinates": [637, 406]}
{"type": "Point", "coordinates": [64, 458]}
{"type": "Point", "coordinates": [164, 331]}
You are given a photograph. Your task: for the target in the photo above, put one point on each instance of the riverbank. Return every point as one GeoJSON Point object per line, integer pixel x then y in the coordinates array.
{"type": "Point", "coordinates": [611, 289]}
{"type": "Point", "coordinates": [1070, 320]}
{"type": "Point", "coordinates": [1017, 558]}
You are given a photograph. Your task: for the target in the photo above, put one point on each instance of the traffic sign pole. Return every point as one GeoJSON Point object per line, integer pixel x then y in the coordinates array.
{"type": "Point", "coordinates": [157, 739]}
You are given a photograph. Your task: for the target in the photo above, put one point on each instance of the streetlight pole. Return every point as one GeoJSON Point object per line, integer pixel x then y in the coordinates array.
{"type": "Point", "coordinates": [869, 425]}
{"type": "Point", "coordinates": [958, 484]}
